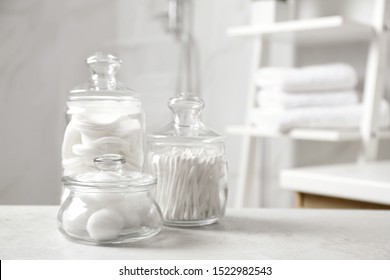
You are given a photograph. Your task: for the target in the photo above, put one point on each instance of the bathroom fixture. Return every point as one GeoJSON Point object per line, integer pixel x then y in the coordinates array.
{"type": "Point", "coordinates": [179, 20]}
{"type": "Point", "coordinates": [175, 16]}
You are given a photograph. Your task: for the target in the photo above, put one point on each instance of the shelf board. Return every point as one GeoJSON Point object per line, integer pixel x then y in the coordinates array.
{"type": "Point", "coordinates": [364, 182]}
{"type": "Point", "coordinates": [331, 135]}
{"type": "Point", "coordinates": [308, 31]}
{"type": "Point", "coordinates": [301, 134]}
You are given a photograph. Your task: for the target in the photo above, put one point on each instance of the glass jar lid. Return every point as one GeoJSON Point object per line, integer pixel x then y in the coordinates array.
{"type": "Point", "coordinates": [110, 176]}
{"type": "Point", "coordinates": [187, 125]}
{"type": "Point", "coordinates": [103, 84]}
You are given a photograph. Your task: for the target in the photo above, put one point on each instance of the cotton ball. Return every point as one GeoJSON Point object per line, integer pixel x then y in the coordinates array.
{"type": "Point", "coordinates": [105, 224]}
{"type": "Point", "coordinates": [134, 209]}
{"type": "Point", "coordinates": [138, 202]}
{"type": "Point", "coordinates": [76, 226]}
{"type": "Point", "coordinates": [102, 200]}
{"type": "Point", "coordinates": [75, 218]}
{"type": "Point", "coordinates": [142, 205]}
{"type": "Point", "coordinates": [132, 220]}
{"type": "Point", "coordinates": [131, 217]}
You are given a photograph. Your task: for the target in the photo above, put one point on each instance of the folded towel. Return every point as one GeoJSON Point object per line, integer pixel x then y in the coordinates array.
{"type": "Point", "coordinates": [336, 76]}
{"type": "Point", "coordinates": [338, 117]}
{"type": "Point", "coordinates": [269, 98]}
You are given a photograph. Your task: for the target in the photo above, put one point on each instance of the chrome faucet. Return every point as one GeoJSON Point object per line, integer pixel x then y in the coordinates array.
{"type": "Point", "coordinates": [175, 16]}
{"type": "Point", "coordinates": [179, 23]}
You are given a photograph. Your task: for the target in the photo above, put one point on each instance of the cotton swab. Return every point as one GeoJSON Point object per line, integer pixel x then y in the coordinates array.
{"type": "Point", "coordinates": [191, 182]}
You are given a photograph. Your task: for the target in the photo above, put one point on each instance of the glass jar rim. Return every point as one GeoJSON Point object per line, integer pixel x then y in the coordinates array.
{"type": "Point", "coordinates": [144, 182]}
{"type": "Point", "coordinates": [186, 140]}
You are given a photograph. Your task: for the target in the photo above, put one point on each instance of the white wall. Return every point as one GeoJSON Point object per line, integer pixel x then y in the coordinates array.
{"type": "Point", "coordinates": [31, 105]}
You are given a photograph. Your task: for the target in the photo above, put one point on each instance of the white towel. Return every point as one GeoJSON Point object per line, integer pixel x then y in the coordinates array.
{"type": "Point", "coordinates": [326, 77]}
{"type": "Point", "coordinates": [269, 98]}
{"type": "Point", "coordinates": [338, 117]}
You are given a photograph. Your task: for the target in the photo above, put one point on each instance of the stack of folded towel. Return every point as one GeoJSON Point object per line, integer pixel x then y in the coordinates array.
{"type": "Point", "coordinates": [320, 96]}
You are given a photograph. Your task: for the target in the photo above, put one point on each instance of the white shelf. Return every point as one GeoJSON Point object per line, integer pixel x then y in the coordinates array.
{"type": "Point", "coordinates": [330, 135]}
{"type": "Point", "coordinates": [308, 31]}
{"type": "Point", "coordinates": [364, 182]}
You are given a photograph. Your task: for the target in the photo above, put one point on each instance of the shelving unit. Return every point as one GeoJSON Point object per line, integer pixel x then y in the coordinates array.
{"type": "Point", "coordinates": [364, 182]}
{"type": "Point", "coordinates": [330, 135]}
{"type": "Point", "coordinates": [308, 31]}
{"type": "Point", "coordinates": [334, 29]}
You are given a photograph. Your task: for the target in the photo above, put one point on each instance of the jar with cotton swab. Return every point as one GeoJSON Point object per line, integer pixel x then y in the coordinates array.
{"type": "Point", "coordinates": [105, 117]}
{"type": "Point", "coordinates": [189, 161]}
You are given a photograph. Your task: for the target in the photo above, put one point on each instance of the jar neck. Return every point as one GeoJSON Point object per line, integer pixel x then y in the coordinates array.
{"type": "Point", "coordinates": [186, 110]}
{"type": "Point", "coordinates": [187, 119]}
{"type": "Point", "coordinates": [103, 80]}
{"type": "Point", "coordinates": [103, 67]}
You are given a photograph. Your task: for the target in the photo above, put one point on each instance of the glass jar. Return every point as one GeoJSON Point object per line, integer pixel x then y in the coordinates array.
{"type": "Point", "coordinates": [109, 205]}
{"type": "Point", "coordinates": [189, 161]}
{"type": "Point", "coordinates": [105, 117]}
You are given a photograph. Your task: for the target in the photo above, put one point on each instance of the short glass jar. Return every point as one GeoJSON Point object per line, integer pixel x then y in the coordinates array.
{"type": "Point", "coordinates": [109, 205]}
{"type": "Point", "coordinates": [189, 161]}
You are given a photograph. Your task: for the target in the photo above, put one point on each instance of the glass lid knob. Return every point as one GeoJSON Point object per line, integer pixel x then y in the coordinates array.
{"type": "Point", "coordinates": [109, 162]}
{"type": "Point", "coordinates": [103, 67]}
{"type": "Point", "coordinates": [186, 109]}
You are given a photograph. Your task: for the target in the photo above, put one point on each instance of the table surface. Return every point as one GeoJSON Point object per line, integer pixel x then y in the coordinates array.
{"type": "Point", "coordinates": [30, 232]}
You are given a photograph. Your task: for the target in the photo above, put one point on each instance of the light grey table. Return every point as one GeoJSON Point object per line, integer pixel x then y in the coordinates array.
{"type": "Point", "coordinates": [30, 232]}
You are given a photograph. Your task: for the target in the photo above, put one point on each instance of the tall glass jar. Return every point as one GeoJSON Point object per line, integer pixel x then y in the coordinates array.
{"type": "Point", "coordinates": [105, 117]}
{"type": "Point", "coordinates": [189, 161]}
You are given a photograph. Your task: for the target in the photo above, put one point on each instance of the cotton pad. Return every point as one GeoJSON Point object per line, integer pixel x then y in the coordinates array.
{"type": "Point", "coordinates": [71, 137]}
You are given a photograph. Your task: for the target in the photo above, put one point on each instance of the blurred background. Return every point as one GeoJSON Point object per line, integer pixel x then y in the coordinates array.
{"type": "Point", "coordinates": [44, 45]}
